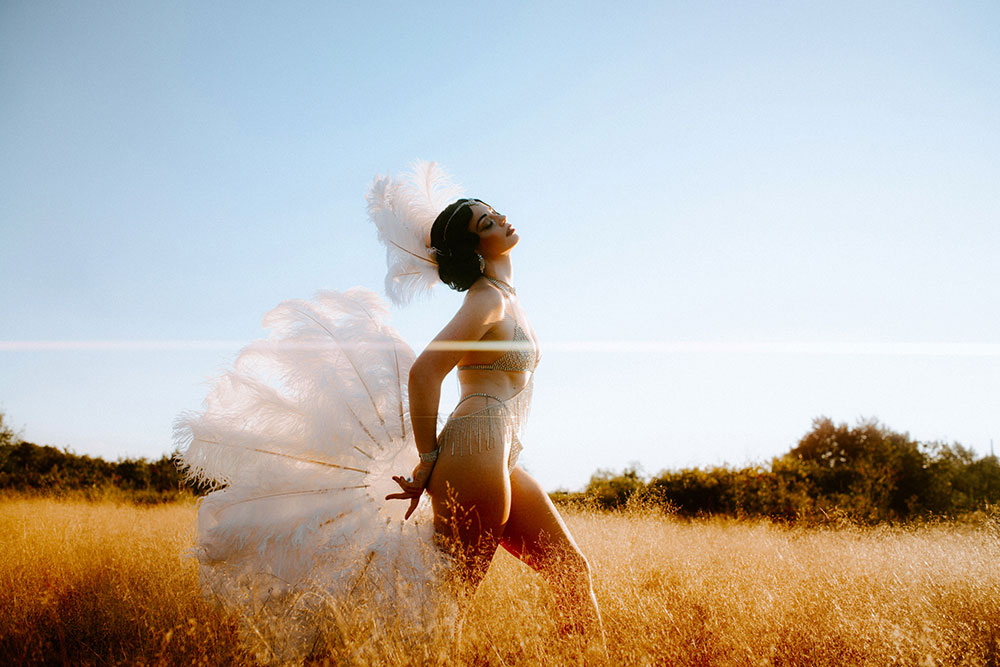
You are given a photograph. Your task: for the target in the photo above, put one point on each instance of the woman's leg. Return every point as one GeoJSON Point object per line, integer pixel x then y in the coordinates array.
{"type": "Point", "coordinates": [466, 534]}
{"type": "Point", "coordinates": [469, 512]}
{"type": "Point", "coordinates": [471, 500]}
{"type": "Point", "coordinates": [537, 535]}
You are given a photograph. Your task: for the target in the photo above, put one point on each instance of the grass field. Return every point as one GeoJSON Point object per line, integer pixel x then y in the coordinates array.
{"type": "Point", "coordinates": [105, 583]}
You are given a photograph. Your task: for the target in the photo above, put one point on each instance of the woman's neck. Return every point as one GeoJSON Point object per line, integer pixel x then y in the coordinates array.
{"type": "Point", "coordinates": [501, 269]}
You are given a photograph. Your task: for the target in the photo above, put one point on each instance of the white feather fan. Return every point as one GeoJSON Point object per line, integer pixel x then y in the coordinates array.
{"type": "Point", "coordinates": [301, 439]}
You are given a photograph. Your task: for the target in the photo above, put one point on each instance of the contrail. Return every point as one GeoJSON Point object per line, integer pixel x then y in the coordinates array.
{"type": "Point", "coordinates": [820, 348]}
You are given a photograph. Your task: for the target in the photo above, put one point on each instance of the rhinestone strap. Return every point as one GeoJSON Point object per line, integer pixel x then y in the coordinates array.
{"type": "Point", "coordinates": [501, 285]}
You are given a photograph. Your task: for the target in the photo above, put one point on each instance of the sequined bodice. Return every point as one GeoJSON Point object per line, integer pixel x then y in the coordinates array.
{"type": "Point", "coordinates": [523, 357]}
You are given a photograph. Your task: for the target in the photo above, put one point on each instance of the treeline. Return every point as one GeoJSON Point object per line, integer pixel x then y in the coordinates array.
{"type": "Point", "coordinates": [864, 473]}
{"type": "Point", "coordinates": [29, 468]}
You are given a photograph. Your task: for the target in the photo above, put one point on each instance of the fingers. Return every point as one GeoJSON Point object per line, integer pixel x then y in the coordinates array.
{"type": "Point", "coordinates": [408, 486]}
{"type": "Point", "coordinates": [413, 506]}
{"type": "Point", "coordinates": [419, 478]}
{"type": "Point", "coordinates": [411, 490]}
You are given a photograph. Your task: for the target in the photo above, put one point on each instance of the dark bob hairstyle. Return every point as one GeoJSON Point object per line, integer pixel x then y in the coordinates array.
{"type": "Point", "coordinates": [459, 265]}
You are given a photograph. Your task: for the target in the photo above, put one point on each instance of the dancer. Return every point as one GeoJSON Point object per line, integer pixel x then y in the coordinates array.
{"type": "Point", "coordinates": [481, 498]}
{"type": "Point", "coordinates": [301, 438]}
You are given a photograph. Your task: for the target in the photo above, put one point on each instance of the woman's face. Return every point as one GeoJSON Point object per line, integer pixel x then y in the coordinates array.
{"type": "Point", "coordinates": [496, 237]}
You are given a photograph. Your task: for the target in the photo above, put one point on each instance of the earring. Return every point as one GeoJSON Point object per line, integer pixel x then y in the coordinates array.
{"type": "Point", "coordinates": [482, 263]}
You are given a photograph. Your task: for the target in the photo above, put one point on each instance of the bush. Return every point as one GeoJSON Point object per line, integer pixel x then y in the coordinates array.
{"type": "Point", "coordinates": [865, 473]}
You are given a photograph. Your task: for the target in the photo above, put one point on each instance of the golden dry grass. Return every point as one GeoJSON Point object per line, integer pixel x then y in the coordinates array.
{"type": "Point", "coordinates": [100, 583]}
{"type": "Point", "coordinates": [104, 583]}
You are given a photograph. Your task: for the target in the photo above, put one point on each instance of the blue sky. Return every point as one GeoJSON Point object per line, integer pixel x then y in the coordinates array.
{"type": "Point", "coordinates": [735, 217]}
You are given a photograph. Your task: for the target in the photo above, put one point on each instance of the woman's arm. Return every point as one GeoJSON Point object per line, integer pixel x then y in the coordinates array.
{"type": "Point", "coordinates": [481, 309]}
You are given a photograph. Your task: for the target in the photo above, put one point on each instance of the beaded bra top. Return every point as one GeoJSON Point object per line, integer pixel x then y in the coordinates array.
{"type": "Point", "coordinates": [523, 356]}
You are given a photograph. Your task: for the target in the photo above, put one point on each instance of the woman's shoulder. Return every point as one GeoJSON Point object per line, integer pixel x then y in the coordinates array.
{"type": "Point", "coordinates": [484, 299]}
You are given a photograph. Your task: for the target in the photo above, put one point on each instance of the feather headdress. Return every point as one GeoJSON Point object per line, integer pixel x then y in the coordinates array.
{"type": "Point", "coordinates": [403, 209]}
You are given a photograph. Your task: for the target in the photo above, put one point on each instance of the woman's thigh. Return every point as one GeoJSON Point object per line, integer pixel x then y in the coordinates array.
{"type": "Point", "coordinates": [535, 532]}
{"type": "Point", "coordinates": [471, 501]}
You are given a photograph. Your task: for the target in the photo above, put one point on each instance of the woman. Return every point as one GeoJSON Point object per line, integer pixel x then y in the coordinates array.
{"type": "Point", "coordinates": [301, 437]}
{"type": "Point", "coordinates": [480, 497]}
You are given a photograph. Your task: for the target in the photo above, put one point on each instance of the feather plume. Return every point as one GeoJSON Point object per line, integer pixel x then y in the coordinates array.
{"type": "Point", "coordinates": [300, 440]}
{"type": "Point", "coordinates": [403, 210]}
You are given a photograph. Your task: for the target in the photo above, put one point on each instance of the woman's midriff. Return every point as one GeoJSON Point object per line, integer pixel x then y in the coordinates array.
{"type": "Point", "coordinates": [501, 384]}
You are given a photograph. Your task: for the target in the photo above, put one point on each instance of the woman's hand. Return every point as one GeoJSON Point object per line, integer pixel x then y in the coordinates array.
{"type": "Point", "coordinates": [412, 487]}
